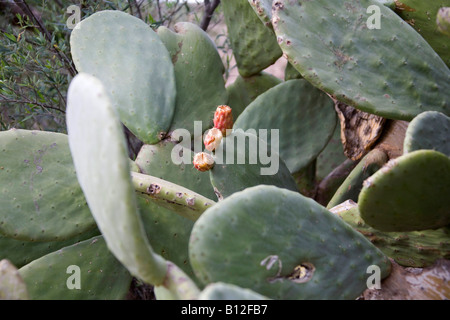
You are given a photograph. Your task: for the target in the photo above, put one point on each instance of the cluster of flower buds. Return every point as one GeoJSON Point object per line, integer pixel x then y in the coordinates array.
{"type": "Point", "coordinates": [223, 123]}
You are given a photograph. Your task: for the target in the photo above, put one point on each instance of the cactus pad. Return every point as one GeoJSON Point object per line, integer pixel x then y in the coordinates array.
{"type": "Point", "coordinates": [283, 245]}
{"type": "Point", "coordinates": [240, 166]}
{"type": "Point", "coordinates": [391, 72]}
{"type": "Point", "coordinates": [99, 152]}
{"type": "Point", "coordinates": [135, 67]}
{"type": "Point", "coordinates": [100, 275]}
{"type": "Point", "coordinates": [429, 130]}
{"type": "Point", "coordinates": [254, 45]}
{"type": "Point", "coordinates": [409, 193]}
{"type": "Point", "coordinates": [304, 116]}
{"type": "Point", "coordinates": [40, 197]}
{"type": "Point", "coordinates": [198, 74]}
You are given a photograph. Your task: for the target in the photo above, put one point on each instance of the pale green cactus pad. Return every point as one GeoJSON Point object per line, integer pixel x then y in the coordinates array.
{"type": "Point", "coordinates": [84, 271]}
{"type": "Point", "coordinates": [409, 193]}
{"type": "Point", "coordinates": [99, 152]}
{"type": "Point", "coordinates": [135, 67]}
{"type": "Point", "coordinates": [391, 72]}
{"type": "Point", "coordinates": [282, 245]}
{"type": "Point", "coordinates": [40, 198]}
{"type": "Point", "coordinates": [21, 252]}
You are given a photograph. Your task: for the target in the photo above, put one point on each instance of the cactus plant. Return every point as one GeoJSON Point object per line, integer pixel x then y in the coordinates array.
{"type": "Point", "coordinates": [422, 17]}
{"type": "Point", "coordinates": [282, 245]}
{"type": "Point", "coordinates": [254, 45]}
{"type": "Point", "coordinates": [198, 77]}
{"type": "Point", "coordinates": [429, 130]}
{"type": "Point", "coordinates": [153, 218]}
{"type": "Point", "coordinates": [338, 52]}
{"type": "Point", "coordinates": [103, 45]}
{"type": "Point", "coordinates": [308, 115]}
{"type": "Point", "coordinates": [86, 270]}
{"type": "Point", "coordinates": [41, 198]}
{"type": "Point", "coordinates": [415, 249]}
{"type": "Point", "coordinates": [394, 198]}
{"type": "Point", "coordinates": [244, 90]}
{"type": "Point", "coordinates": [238, 165]}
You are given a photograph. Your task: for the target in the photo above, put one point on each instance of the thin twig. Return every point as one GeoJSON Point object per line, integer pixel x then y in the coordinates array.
{"type": "Point", "coordinates": [42, 105]}
{"type": "Point", "coordinates": [210, 7]}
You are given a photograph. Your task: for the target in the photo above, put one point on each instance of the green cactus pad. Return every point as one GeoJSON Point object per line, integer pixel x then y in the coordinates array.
{"type": "Point", "coordinates": [409, 193]}
{"type": "Point", "coordinates": [244, 168]}
{"type": "Point", "coordinates": [12, 286]}
{"type": "Point", "coordinates": [391, 72]}
{"type": "Point", "coordinates": [417, 249]}
{"type": "Point", "coordinates": [156, 160]}
{"type": "Point", "coordinates": [198, 74]}
{"type": "Point", "coordinates": [21, 253]}
{"type": "Point", "coordinates": [244, 90]}
{"type": "Point", "coordinates": [254, 45]}
{"type": "Point", "coordinates": [100, 275]}
{"type": "Point", "coordinates": [443, 21]}
{"type": "Point", "coordinates": [304, 116]}
{"type": "Point", "coordinates": [226, 291]}
{"type": "Point", "coordinates": [135, 67]}
{"type": "Point", "coordinates": [283, 245]}
{"type": "Point", "coordinates": [40, 198]}
{"type": "Point", "coordinates": [351, 187]}
{"type": "Point", "coordinates": [99, 152]}
{"type": "Point", "coordinates": [421, 15]}
{"type": "Point", "coordinates": [429, 130]}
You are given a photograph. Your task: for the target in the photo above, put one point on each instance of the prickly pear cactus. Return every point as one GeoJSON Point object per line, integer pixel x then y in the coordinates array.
{"type": "Point", "coordinates": [409, 193]}
{"type": "Point", "coordinates": [156, 160]}
{"type": "Point", "coordinates": [40, 197]}
{"type": "Point", "coordinates": [21, 252]}
{"type": "Point", "coordinates": [283, 245]}
{"type": "Point", "coordinates": [135, 67]}
{"type": "Point", "coordinates": [95, 132]}
{"type": "Point", "coordinates": [254, 45]}
{"type": "Point", "coordinates": [336, 53]}
{"type": "Point", "coordinates": [244, 90]}
{"type": "Point", "coordinates": [304, 118]}
{"type": "Point", "coordinates": [421, 16]}
{"type": "Point", "coordinates": [429, 130]}
{"type": "Point", "coordinates": [243, 160]}
{"type": "Point", "coordinates": [198, 74]}
{"type": "Point", "coordinates": [417, 249]}
{"type": "Point", "coordinates": [83, 271]}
